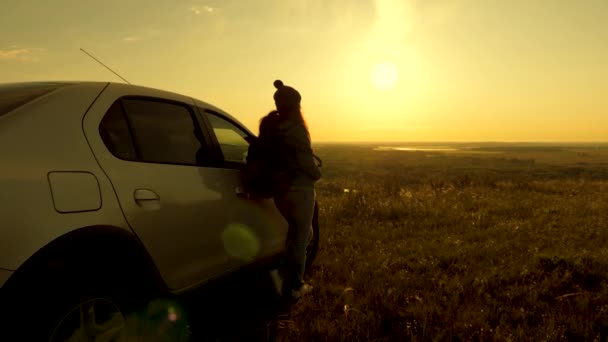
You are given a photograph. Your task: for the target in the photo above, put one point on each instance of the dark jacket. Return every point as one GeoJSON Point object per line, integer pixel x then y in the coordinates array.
{"type": "Point", "coordinates": [295, 152]}
{"type": "Point", "coordinates": [280, 157]}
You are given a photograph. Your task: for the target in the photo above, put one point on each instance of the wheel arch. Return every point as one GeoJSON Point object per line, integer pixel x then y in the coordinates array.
{"type": "Point", "coordinates": [100, 245]}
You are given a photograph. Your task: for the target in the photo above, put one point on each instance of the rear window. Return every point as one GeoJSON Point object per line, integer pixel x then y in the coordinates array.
{"type": "Point", "coordinates": [13, 96]}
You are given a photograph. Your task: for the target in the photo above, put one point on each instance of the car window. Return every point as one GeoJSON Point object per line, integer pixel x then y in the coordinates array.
{"type": "Point", "coordinates": [164, 132]}
{"type": "Point", "coordinates": [231, 138]}
{"type": "Point", "coordinates": [153, 131]}
{"type": "Point", "coordinates": [115, 134]}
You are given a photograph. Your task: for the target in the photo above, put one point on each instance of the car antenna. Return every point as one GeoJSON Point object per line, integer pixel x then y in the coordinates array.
{"type": "Point", "coordinates": [107, 67]}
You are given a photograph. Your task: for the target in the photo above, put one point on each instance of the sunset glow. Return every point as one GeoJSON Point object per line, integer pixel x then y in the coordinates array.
{"type": "Point", "coordinates": [385, 76]}
{"type": "Point", "coordinates": [375, 70]}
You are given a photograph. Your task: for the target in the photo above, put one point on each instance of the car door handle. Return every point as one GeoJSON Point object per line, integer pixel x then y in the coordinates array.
{"type": "Point", "coordinates": [147, 199]}
{"type": "Point", "coordinates": [241, 193]}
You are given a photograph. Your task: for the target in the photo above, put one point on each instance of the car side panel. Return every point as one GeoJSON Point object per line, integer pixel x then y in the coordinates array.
{"type": "Point", "coordinates": [42, 137]}
{"type": "Point", "coordinates": [183, 230]}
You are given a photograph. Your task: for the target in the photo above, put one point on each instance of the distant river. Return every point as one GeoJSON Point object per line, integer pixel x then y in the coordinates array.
{"type": "Point", "coordinates": [412, 148]}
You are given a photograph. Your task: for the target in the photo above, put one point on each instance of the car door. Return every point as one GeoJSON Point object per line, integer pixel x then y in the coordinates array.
{"type": "Point", "coordinates": [258, 218]}
{"type": "Point", "coordinates": [157, 156]}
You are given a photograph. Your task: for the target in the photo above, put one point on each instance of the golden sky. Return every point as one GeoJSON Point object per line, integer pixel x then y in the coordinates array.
{"type": "Point", "coordinates": [368, 70]}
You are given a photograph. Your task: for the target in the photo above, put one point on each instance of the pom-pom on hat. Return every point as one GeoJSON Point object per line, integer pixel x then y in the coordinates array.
{"type": "Point", "coordinates": [285, 97]}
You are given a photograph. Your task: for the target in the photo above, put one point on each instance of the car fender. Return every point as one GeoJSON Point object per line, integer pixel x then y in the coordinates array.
{"type": "Point", "coordinates": [45, 138]}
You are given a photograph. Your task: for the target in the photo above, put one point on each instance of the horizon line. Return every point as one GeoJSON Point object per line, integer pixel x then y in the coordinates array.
{"type": "Point", "coordinates": [461, 141]}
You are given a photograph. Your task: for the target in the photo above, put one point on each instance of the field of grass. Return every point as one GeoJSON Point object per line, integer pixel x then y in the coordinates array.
{"type": "Point", "coordinates": [508, 245]}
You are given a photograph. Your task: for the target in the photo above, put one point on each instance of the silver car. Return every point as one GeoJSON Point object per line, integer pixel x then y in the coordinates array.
{"type": "Point", "coordinates": [112, 195]}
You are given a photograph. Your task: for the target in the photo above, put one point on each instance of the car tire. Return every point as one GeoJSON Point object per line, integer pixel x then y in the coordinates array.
{"type": "Point", "coordinates": [66, 302]}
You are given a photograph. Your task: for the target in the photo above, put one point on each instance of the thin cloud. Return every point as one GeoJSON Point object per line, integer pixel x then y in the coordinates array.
{"type": "Point", "coordinates": [140, 35]}
{"type": "Point", "coordinates": [198, 10]}
{"type": "Point", "coordinates": [14, 53]}
{"type": "Point", "coordinates": [195, 9]}
{"type": "Point", "coordinates": [130, 39]}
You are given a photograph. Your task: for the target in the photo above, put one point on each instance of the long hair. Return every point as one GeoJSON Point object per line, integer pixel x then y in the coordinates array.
{"type": "Point", "coordinates": [301, 118]}
{"type": "Point", "coordinates": [296, 115]}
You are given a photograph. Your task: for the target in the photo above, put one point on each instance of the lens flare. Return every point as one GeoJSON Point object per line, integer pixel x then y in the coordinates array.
{"type": "Point", "coordinates": [240, 242]}
{"type": "Point", "coordinates": [172, 314]}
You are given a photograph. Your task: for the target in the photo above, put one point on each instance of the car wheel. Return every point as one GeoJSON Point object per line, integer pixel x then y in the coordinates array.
{"type": "Point", "coordinates": [313, 245]}
{"type": "Point", "coordinates": [95, 305]}
{"type": "Point", "coordinates": [91, 320]}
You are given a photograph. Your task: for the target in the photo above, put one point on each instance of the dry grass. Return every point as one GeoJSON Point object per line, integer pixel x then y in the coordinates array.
{"type": "Point", "coordinates": [457, 248]}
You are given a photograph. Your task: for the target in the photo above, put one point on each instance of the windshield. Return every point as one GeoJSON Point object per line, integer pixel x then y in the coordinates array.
{"type": "Point", "coordinates": [13, 96]}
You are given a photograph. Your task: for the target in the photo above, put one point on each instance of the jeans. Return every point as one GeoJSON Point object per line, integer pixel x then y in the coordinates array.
{"type": "Point", "coordinates": [297, 207]}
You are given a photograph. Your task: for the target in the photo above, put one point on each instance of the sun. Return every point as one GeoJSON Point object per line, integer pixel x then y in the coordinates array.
{"type": "Point", "coordinates": [385, 76]}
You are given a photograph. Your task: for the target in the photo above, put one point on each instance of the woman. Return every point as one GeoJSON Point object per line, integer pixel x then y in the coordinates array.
{"type": "Point", "coordinates": [294, 190]}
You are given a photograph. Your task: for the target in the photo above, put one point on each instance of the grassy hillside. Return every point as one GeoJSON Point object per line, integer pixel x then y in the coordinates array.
{"type": "Point", "coordinates": [508, 245]}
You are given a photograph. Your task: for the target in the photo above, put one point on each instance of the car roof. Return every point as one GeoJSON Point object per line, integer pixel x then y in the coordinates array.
{"type": "Point", "coordinates": [197, 102]}
{"type": "Point", "coordinates": [16, 85]}
{"type": "Point", "coordinates": [125, 86]}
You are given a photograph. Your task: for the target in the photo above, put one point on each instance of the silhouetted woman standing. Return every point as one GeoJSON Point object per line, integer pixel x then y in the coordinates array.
{"type": "Point", "coordinates": [294, 193]}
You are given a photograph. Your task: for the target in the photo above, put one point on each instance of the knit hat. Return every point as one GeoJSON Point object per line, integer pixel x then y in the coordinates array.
{"type": "Point", "coordinates": [285, 97]}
